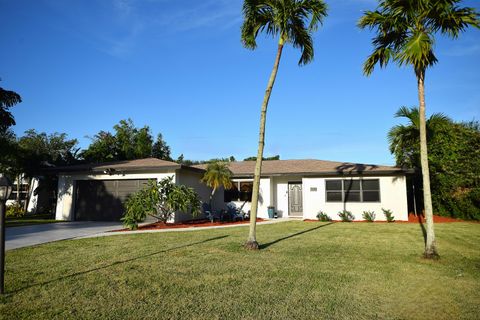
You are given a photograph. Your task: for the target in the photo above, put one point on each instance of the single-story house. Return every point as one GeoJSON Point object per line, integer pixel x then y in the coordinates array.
{"type": "Point", "coordinates": [302, 188]}
{"type": "Point", "coordinates": [24, 189]}
{"type": "Point", "coordinates": [96, 192]}
{"type": "Point", "coordinates": [296, 188]}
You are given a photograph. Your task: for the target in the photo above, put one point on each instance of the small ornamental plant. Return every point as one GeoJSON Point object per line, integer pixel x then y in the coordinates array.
{"type": "Point", "coordinates": [15, 210]}
{"type": "Point", "coordinates": [388, 215]}
{"type": "Point", "coordinates": [322, 216]}
{"type": "Point", "coordinates": [346, 216]}
{"type": "Point", "coordinates": [369, 216]}
{"type": "Point", "coordinates": [160, 200]}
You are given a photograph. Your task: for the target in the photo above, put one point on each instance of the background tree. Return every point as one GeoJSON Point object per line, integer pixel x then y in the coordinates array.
{"type": "Point", "coordinates": [217, 175]}
{"type": "Point", "coordinates": [404, 140]}
{"type": "Point", "coordinates": [37, 151]}
{"type": "Point", "coordinates": [126, 143]}
{"type": "Point", "coordinates": [405, 33]}
{"type": "Point", "coordinates": [454, 160]}
{"type": "Point", "coordinates": [292, 21]}
{"type": "Point", "coordinates": [277, 157]}
{"type": "Point", "coordinates": [7, 100]}
{"type": "Point", "coordinates": [161, 150]}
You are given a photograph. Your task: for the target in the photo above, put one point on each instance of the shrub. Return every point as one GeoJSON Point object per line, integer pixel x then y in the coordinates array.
{"type": "Point", "coordinates": [15, 211]}
{"type": "Point", "coordinates": [389, 215]}
{"type": "Point", "coordinates": [369, 216]}
{"type": "Point", "coordinates": [322, 216]}
{"type": "Point", "coordinates": [346, 216]}
{"type": "Point", "coordinates": [160, 200]}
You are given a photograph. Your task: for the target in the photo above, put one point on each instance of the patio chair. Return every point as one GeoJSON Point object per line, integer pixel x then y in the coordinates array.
{"type": "Point", "coordinates": [209, 214]}
{"type": "Point", "coordinates": [234, 213]}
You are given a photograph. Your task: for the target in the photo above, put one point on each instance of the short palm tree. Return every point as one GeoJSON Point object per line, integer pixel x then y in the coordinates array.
{"type": "Point", "coordinates": [292, 21]}
{"type": "Point", "coordinates": [217, 175]}
{"type": "Point", "coordinates": [405, 34]}
{"type": "Point", "coordinates": [404, 139]}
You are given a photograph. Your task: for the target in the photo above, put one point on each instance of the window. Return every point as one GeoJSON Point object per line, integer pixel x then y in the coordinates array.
{"type": "Point", "coordinates": [241, 191]}
{"type": "Point", "coordinates": [365, 190]}
{"type": "Point", "coordinates": [22, 194]}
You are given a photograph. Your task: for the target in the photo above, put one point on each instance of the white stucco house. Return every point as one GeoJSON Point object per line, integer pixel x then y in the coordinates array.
{"type": "Point", "coordinates": [24, 189]}
{"type": "Point", "coordinates": [296, 188]}
{"type": "Point", "coordinates": [97, 192]}
{"type": "Point", "coordinates": [302, 188]}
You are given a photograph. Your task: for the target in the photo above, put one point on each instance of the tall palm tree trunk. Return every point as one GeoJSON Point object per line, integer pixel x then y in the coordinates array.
{"type": "Point", "coordinates": [252, 237]}
{"type": "Point", "coordinates": [430, 245]}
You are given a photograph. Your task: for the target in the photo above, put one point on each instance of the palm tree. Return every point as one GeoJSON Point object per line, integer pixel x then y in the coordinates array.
{"type": "Point", "coordinates": [7, 100]}
{"type": "Point", "coordinates": [292, 21]}
{"type": "Point", "coordinates": [406, 31]}
{"type": "Point", "coordinates": [404, 139]}
{"type": "Point", "coordinates": [217, 175]}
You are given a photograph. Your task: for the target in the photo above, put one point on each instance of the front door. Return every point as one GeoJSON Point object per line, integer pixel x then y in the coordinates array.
{"type": "Point", "coordinates": [295, 199]}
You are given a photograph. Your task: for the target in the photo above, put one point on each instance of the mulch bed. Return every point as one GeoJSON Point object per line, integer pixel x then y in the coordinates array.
{"type": "Point", "coordinates": [190, 224]}
{"type": "Point", "coordinates": [411, 219]}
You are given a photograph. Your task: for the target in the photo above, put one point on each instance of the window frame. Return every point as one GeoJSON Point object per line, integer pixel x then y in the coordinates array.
{"type": "Point", "coordinates": [238, 198]}
{"type": "Point", "coordinates": [361, 191]}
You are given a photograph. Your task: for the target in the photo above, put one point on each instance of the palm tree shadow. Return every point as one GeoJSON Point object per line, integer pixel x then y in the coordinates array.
{"type": "Point", "coordinates": [266, 245]}
{"type": "Point", "coordinates": [115, 263]}
{"type": "Point", "coordinates": [424, 231]}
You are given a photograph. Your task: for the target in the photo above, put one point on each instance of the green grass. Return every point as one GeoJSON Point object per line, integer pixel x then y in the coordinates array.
{"type": "Point", "coordinates": [30, 220]}
{"type": "Point", "coordinates": [304, 271]}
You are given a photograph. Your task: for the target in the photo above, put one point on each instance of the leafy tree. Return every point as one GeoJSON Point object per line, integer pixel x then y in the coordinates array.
{"type": "Point", "coordinates": [160, 200]}
{"type": "Point", "coordinates": [7, 100]}
{"type": "Point", "coordinates": [277, 157]}
{"type": "Point", "coordinates": [292, 21]}
{"type": "Point", "coordinates": [102, 149]}
{"type": "Point", "coordinates": [181, 159]}
{"type": "Point", "coordinates": [35, 151]}
{"type": "Point", "coordinates": [160, 149]}
{"type": "Point", "coordinates": [127, 143]}
{"type": "Point", "coordinates": [8, 155]}
{"type": "Point", "coordinates": [454, 160]}
{"type": "Point", "coordinates": [406, 33]}
{"type": "Point", "coordinates": [217, 175]}
{"type": "Point", "coordinates": [39, 149]}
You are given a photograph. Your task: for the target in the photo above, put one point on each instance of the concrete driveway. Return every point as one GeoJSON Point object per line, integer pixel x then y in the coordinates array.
{"type": "Point", "coordinates": [18, 237]}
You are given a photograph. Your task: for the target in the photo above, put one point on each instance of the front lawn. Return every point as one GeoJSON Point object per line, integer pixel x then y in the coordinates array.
{"type": "Point", "coordinates": [28, 220]}
{"type": "Point", "coordinates": [304, 271]}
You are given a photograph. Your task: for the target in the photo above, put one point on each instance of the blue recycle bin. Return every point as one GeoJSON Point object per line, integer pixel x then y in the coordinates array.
{"type": "Point", "coordinates": [271, 212]}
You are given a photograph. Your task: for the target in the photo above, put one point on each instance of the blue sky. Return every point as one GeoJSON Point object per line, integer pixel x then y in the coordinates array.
{"type": "Point", "coordinates": [179, 67]}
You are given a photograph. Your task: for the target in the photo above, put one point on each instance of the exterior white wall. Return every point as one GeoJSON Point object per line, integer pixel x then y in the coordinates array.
{"type": "Point", "coordinates": [66, 184]}
{"type": "Point", "coordinates": [393, 196]}
{"type": "Point", "coordinates": [64, 209]}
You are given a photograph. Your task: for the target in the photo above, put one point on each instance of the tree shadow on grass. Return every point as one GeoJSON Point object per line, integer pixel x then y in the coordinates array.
{"type": "Point", "coordinates": [266, 245]}
{"type": "Point", "coordinates": [116, 263]}
{"type": "Point", "coordinates": [424, 231]}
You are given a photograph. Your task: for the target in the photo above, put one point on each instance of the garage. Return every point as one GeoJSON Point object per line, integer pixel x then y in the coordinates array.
{"type": "Point", "coordinates": [102, 200]}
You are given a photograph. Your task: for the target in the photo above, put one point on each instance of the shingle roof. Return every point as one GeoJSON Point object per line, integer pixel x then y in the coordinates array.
{"type": "Point", "coordinates": [127, 165]}
{"type": "Point", "coordinates": [307, 167]}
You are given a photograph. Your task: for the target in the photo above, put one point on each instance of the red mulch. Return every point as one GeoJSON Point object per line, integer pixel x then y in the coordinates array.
{"type": "Point", "coordinates": [436, 219]}
{"type": "Point", "coordinates": [189, 224]}
{"type": "Point", "coordinates": [411, 219]}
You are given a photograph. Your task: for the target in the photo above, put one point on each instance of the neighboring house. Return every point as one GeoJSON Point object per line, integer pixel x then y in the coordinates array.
{"type": "Point", "coordinates": [301, 188]}
{"type": "Point", "coordinates": [97, 192]}
{"type": "Point", "coordinates": [24, 189]}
